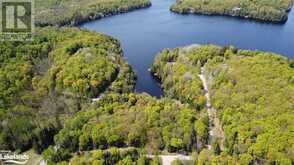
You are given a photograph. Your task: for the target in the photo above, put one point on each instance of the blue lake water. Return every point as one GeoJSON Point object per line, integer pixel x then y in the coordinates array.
{"type": "Point", "coordinates": [145, 32]}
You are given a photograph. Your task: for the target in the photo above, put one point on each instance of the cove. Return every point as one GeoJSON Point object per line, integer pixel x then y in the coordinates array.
{"type": "Point", "coordinates": [145, 32]}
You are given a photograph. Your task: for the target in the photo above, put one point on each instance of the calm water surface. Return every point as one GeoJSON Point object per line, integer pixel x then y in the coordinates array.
{"type": "Point", "coordinates": [143, 33]}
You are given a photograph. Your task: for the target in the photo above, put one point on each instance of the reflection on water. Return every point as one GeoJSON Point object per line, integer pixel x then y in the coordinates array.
{"type": "Point", "coordinates": [143, 33]}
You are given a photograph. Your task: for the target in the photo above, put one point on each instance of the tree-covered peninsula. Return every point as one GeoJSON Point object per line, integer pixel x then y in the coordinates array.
{"type": "Point", "coordinates": [73, 12]}
{"type": "Point", "coordinates": [252, 93]}
{"type": "Point", "coordinates": [268, 10]}
{"type": "Point", "coordinates": [49, 79]}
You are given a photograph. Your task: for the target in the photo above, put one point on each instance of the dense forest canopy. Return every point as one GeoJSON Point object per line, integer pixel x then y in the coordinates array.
{"type": "Point", "coordinates": [253, 94]}
{"type": "Point", "coordinates": [120, 156]}
{"type": "Point", "coordinates": [133, 120]}
{"type": "Point", "coordinates": [266, 10]}
{"type": "Point", "coordinates": [74, 12]}
{"type": "Point", "coordinates": [49, 79]}
{"type": "Point", "coordinates": [69, 93]}
{"type": "Point", "coordinates": [179, 77]}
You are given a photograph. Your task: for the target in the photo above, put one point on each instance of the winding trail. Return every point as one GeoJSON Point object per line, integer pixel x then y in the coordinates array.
{"type": "Point", "coordinates": [215, 128]}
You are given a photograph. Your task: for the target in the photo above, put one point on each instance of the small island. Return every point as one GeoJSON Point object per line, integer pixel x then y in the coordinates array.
{"type": "Point", "coordinates": [268, 11]}
{"type": "Point", "coordinates": [71, 12]}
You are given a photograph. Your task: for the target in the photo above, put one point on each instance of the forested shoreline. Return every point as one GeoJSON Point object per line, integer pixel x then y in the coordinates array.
{"type": "Point", "coordinates": [47, 80]}
{"type": "Point", "coordinates": [69, 95]}
{"type": "Point", "coordinates": [245, 90]}
{"type": "Point", "coordinates": [268, 11]}
{"type": "Point", "coordinates": [70, 12]}
{"type": "Point", "coordinates": [252, 92]}
{"type": "Point", "coordinates": [47, 87]}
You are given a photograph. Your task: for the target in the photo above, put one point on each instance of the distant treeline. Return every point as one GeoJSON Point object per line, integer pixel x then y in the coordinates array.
{"type": "Point", "coordinates": [268, 10]}
{"type": "Point", "coordinates": [71, 12]}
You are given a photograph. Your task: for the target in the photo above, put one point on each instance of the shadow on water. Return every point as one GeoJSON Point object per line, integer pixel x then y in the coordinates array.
{"type": "Point", "coordinates": [145, 32]}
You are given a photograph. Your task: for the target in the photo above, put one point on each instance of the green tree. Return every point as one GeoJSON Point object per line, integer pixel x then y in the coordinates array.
{"type": "Point", "coordinates": [156, 160]}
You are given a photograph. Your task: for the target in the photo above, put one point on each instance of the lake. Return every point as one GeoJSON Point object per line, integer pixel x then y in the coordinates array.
{"type": "Point", "coordinates": [143, 33]}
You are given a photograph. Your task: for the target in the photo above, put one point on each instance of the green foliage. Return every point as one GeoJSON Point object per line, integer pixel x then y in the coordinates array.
{"type": "Point", "coordinates": [252, 92]}
{"type": "Point", "coordinates": [204, 157]}
{"type": "Point", "coordinates": [156, 161]}
{"type": "Point", "coordinates": [201, 127]}
{"type": "Point", "coordinates": [226, 159]}
{"type": "Point", "coordinates": [176, 144]}
{"type": "Point", "coordinates": [216, 146]}
{"type": "Point", "coordinates": [71, 12]}
{"type": "Point", "coordinates": [130, 120]}
{"type": "Point", "coordinates": [125, 156]}
{"type": "Point", "coordinates": [269, 10]}
{"type": "Point", "coordinates": [177, 74]}
{"type": "Point", "coordinates": [194, 160]}
{"type": "Point", "coordinates": [126, 161]}
{"type": "Point", "coordinates": [254, 95]}
{"type": "Point", "coordinates": [143, 160]}
{"type": "Point", "coordinates": [177, 162]}
{"type": "Point", "coordinates": [178, 71]}
{"type": "Point", "coordinates": [49, 79]}
{"type": "Point", "coordinates": [53, 155]}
